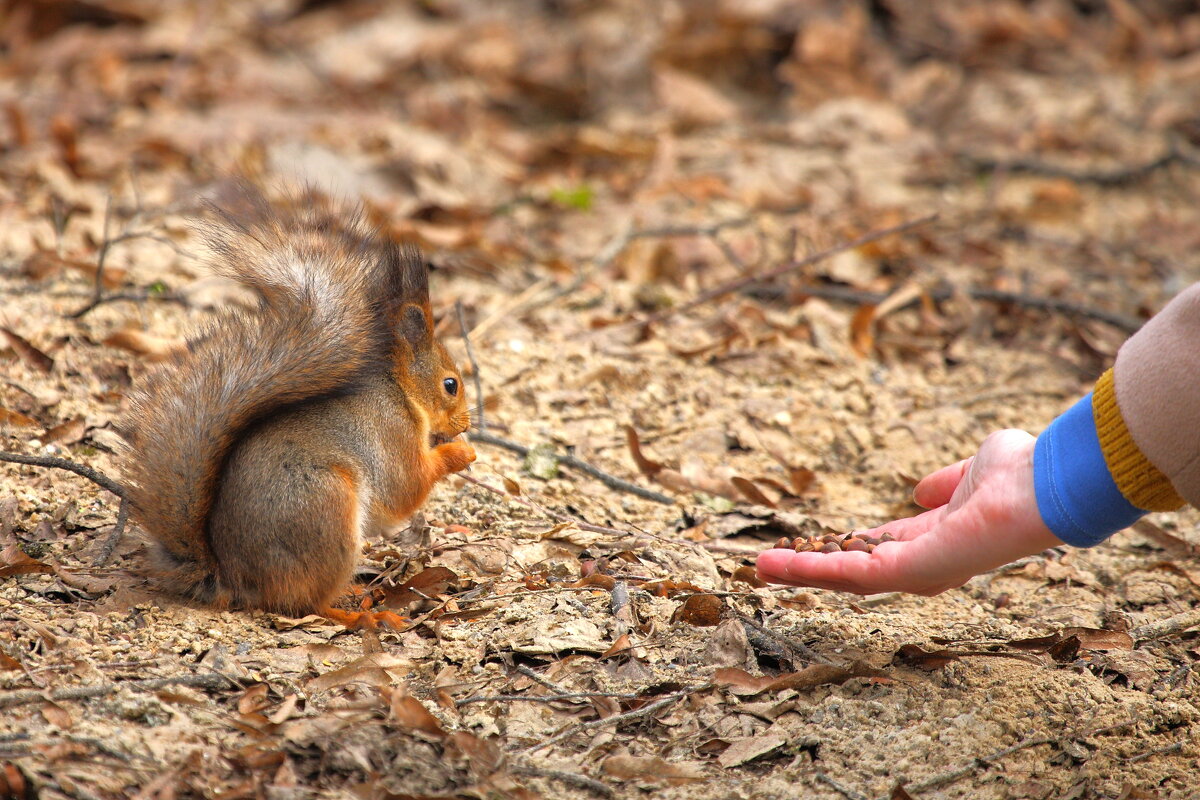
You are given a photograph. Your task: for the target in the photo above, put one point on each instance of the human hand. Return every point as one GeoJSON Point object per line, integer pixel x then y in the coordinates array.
{"type": "Point", "coordinates": [983, 515]}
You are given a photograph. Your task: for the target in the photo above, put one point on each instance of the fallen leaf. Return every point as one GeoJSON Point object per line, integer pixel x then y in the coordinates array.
{"type": "Point", "coordinates": [912, 655]}
{"type": "Point", "coordinates": [253, 699]}
{"type": "Point", "coordinates": [645, 465]}
{"type": "Point", "coordinates": [429, 582]}
{"type": "Point", "coordinates": [25, 351]}
{"type": "Point", "coordinates": [154, 348]}
{"type": "Point", "coordinates": [14, 561]}
{"type": "Point", "coordinates": [17, 419]}
{"type": "Point", "coordinates": [409, 714]}
{"type": "Point", "coordinates": [748, 575]}
{"type": "Point", "coordinates": [745, 750]}
{"type": "Point", "coordinates": [703, 610]}
{"type": "Point", "coordinates": [627, 767]}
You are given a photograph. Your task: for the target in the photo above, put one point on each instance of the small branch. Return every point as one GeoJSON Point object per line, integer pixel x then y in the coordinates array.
{"type": "Point", "coordinates": [609, 480]}
{"type": "Point", "coordinates": [1102, 177]}
{"type": "Point", "coordinates": [110, 544]}
{"type": "Point", "coordinates": [844, 791]}
{"type": "Point", "coordinates": [572, 778]}
{"type": "Point", "coordinates": [843, 294]}
{"type": "Point", "coordinates": [23, 696]}
{"type": "Point", "coordinates": [937, 781]}
{"type": "Point", "coordinates": [792, 266]}
{"type": "Point", "coordinates": [538, 678]}
{"type": "Point", "coordinates": [546, 698]}
{"type": "Point", "coordinates": [617, 719]}
{"type": "Point", "coordinates": [93, 475]}
{"type": "Point", "coordinates": [1167, 627]}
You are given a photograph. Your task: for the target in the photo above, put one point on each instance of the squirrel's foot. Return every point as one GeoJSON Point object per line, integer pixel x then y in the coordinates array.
{"type": "Point", "coordinates": [366, 620]}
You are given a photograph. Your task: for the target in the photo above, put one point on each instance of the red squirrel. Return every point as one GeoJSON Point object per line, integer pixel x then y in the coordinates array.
{"type": "Point", "coordinates": [261, 457]}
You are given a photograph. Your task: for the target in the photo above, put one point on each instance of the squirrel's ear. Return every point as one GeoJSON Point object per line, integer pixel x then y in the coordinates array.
{"type": "Point", "coordinates": [415, 326]}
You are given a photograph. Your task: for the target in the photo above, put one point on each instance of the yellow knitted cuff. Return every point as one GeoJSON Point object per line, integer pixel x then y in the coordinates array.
{"type": "Point", "coordinates": [1142, 483]}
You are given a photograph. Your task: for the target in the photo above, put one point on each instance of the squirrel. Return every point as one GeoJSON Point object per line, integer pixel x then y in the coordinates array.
{"type": "Point", "coordinates": [261, 457]}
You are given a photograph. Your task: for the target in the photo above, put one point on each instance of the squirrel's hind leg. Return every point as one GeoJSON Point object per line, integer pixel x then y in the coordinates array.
{"type": "Point", "coordinates": [288, 543]}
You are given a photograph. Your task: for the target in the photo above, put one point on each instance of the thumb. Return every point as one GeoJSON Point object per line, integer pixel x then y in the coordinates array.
{"type": "Point", "coordinates": [937, 488]}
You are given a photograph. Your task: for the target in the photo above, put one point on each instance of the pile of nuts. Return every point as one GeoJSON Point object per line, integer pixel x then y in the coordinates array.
{"type": "Point", "coordinates": [829, 543]}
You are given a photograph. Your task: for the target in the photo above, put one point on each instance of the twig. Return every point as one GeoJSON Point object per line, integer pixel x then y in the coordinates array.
{"type": "Point", "coordinates": [536, 677]}
{"type": "Point", "coordinates": [845, 294]}
{"type": "Point", "coordinates": [210, 681]}
{"type": "Point", "coordinates": [953, 775]}
{"type": "Point", "coordinates": [759, 277]}
{"type": "Point", "coordinates": [1166, 627]}
{"type": "Point", "coordinates": [1102, 177]}
{"type": "Point", "coordinates": [609, 480]}
{"type": "Point", "coordinates": [110, 544]}
{"type": "Point", "coordinates": [93, 475]}
{"type": "Point", "coordinates": [844, 791]}
{"type": "Point", "coordinates": [481, 423]}
{"type": "Point", "coordinates": [545, 698]}
{"type": "Point", "coordinates": [617, 719]}
{"type": "Point", "coordinates": [1161, 751]}
{"type": "Point", "coordinates": [573, 778]}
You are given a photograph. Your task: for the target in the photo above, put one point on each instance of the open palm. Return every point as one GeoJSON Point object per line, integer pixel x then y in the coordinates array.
{"type": "Point", "coordinates": [983, 514]}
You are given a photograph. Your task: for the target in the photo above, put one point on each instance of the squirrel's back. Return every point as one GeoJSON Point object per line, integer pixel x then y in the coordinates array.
{"type": "Point", "coordinates": [330, 290]}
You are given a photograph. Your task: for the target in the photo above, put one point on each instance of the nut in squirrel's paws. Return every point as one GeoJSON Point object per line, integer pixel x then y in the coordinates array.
{"type": "Point", "coordinates": [455, 455]}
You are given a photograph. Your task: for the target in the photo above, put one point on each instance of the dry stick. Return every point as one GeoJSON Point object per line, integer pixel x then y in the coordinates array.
{"type": "Point", "coordinates": [110, 543]}
{"type": "Point", "coordinates": [23, 696]}
{"type": "Point", "coordinates": [536, 677]}
{"type": "Point", "coordinates": [462, 326]}
{"type": "Point", "coordinates": [844, 791]}
{"type": "Point", "coordinates": [1167, 627]}
{"type": "Point", "coordinates": [1103, 177]}
{"type": "Point", "coordinates": [986, 761]}
{"type": "Point", "coordinates": [617, 719]}
{"type": "Point", "coordinates": [847, 295]}
{"type": "Point", "coordinates": [759, 277]}
{"type": "Point", "coordinates": [573, 778]}
{"type": "Point", "coordinates": [609, 480]}
{"type": "Point", "coordinates": [93, 475]}
{"type": "Point", "coordinates": [546, 698]}
{"type": "Point", "coordinates": [96, 477]}
{"type": "Point", "coordinates": [627, 234]}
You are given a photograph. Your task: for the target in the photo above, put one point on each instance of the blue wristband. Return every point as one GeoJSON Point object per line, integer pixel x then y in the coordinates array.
{"type": "Point", "coordinates": [1076, 495]}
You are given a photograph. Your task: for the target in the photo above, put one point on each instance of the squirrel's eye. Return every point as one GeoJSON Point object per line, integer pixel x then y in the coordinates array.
{"type": "Point", "coordinates": [451, 386]}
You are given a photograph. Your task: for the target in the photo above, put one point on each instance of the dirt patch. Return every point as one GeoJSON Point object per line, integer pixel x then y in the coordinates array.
{"type": "Point", "coordinates": [573, 171]}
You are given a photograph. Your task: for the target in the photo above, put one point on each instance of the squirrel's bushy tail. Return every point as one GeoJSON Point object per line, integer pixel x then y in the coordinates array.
{"type": "Point", "coordinates": [329, 290]}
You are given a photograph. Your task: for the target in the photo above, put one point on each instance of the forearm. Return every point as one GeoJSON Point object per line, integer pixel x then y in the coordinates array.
{"type": "Point", "coordinates": [1132, 445]}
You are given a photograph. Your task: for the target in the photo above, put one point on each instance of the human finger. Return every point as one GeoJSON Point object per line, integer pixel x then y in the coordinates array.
{"type": "Point", "coordinates": [936, 488]}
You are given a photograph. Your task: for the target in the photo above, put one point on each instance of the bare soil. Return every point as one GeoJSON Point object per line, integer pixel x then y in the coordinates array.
{"type": "Point", "coordinates": [572, 169]}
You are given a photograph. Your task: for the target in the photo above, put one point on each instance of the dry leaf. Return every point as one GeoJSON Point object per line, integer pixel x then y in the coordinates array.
{"type": "Point", "coordinates": [68, 432]}
{"type": "Point", "coordinates": [745, 750]}
{"type": "Point", "coordinates": [653, 768]}
{"type": "Point", "coordinates": [154, 348]}
{"type": "Point", "coordinates": [16, 418]}
{"type": "Point", "coordinates": [429, 582]}
{"type": "Point", "coordinates": [253, 699]}
{"type": "Point", "coordinates": [14, 561]}
{"type": "Point", "coordinates": [645, 465]}
{"type": "Point", "coordinates": [409, 714]}
{"type": "Point", "coordinates": [622, 646]}
{"type": "Point", "coordinates": [704, 610]}
{"type": "Point", "coordinates": [25, 351]}
{"type": "Point", "coordinates": [748, 575]}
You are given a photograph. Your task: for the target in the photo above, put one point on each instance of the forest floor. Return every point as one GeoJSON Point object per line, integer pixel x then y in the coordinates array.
{"type": "Point", "coordinates": [590, 182]}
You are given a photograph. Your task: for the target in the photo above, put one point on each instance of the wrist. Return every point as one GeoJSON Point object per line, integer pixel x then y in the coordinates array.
{"type": "Point", "coordinates": [1077, 496]}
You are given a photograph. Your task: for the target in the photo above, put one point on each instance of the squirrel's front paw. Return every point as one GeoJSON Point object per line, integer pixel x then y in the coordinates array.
{"type": "Point", "coordinates": [454, 456]}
